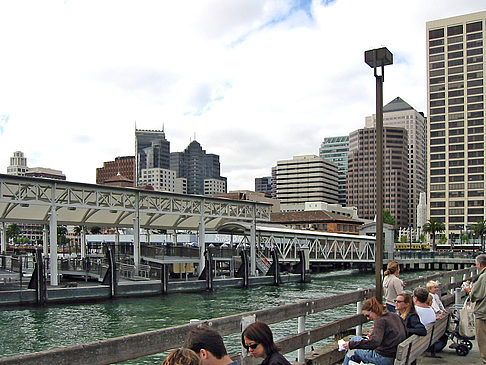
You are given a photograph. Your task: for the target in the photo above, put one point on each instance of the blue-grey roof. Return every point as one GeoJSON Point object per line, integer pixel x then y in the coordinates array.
{"type": "Point", "coordinates": [396, 105]}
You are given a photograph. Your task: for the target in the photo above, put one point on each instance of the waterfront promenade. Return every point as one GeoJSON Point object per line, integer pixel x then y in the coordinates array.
{"type": "Point", "coordinates": [312, 315]}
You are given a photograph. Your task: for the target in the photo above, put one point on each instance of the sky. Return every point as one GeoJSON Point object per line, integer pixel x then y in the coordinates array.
{"type": "Point", "coordinates": [254, 81]}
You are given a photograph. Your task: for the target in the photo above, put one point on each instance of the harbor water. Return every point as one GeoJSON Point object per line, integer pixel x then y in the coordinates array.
{"type": "Point", "coordinates": [32, 329]}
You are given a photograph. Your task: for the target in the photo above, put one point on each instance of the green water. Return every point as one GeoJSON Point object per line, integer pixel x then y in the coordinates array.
{"type": "Point", "coordinates": [31, 329]}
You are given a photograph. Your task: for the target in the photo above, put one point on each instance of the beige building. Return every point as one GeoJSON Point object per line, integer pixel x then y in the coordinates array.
{"type": "Point", "coordinates": [162, 180]}
{"type": "Point", "coordinates": [251, 196]}
{"type": "Point", "coordinates": [306, 178]}
{"type": "Point", "coordinates": [214, 186]}
{"type": "Point", "coordinates": [398, 113]}
{"type": "Point", "coordinates": [455, 89]}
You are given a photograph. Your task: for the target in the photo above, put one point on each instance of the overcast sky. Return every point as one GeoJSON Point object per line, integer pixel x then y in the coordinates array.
{"type": "Point", "coordinates": [253, 81]}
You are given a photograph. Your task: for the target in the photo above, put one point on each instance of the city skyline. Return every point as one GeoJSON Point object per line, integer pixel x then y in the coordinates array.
{"type": "Point", "coordinates": [253, 80]}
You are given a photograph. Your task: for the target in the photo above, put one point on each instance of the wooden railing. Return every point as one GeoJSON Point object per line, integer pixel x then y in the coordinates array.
{"type": "Point", "coordinates": [152, 342]}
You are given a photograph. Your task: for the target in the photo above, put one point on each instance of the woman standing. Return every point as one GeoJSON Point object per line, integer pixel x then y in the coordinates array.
{"type": "Point", "coordinates": [406, 310]}
{"type": "Point", "coordinates": [392, 285]}
{"type": "Point", "coordinates": [257, 338]}
{"type": "Point", "coordinates": [381, 346]}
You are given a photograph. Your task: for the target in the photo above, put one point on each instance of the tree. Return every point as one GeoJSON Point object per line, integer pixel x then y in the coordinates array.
{"type": "Point", "coordinates": [95, 230]}
{"type": "Point", "coordinates": [388, 218]}
{"type": "Point", "coordinates": [77, 232]}
{"type": "Point", "coordinates": [479, 230]}
{"type": "Point", "coordinates": [13, 231]}
{"type": "Point", "coordinates": [433, 226]}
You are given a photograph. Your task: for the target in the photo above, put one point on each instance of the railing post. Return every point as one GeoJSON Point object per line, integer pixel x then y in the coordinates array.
{"type": "Point", "coordinates": [300, 329]}
{"type": "Point", "coordinates": [457, 296]}
{"type": "Point", "coordinates": [359, 308]}
{"type": "Point", "coordinates": [453, 281]}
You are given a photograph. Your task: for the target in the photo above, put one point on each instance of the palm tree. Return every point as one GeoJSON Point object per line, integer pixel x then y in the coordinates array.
{"type": "Point", "coordinates": [433, 226]}
{"type": "Point", "coordinates": [479, 229]}
{"type": "Point", "coordinates": [77, 231]}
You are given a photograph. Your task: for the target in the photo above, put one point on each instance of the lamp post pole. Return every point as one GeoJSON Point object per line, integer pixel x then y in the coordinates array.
{"type": "Point", "coordinates": [378, 59]}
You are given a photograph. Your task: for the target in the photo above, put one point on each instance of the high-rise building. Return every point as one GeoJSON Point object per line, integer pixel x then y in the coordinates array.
{"type": "Point", "coordinates": [18, 164]}
{"type": "Point", "coordinates": [336, 150]}
{"type": "Point", "coordinates": [162, 180]}
{"type": "Point", "coordinates": [398, 113]}
{"type": "Point", "coordinates": [152, 150]}
{"type": "Point", "coordinates": [455, 81]}
{"type": "Point", "coordinates": [121, 171]}
{"type": "Point", "coordinates": [196, 166]}
{"type": "Point", "coordinates": [361, 180]}
{"type": "Point", "coordinates": [264, 185]}
{"type": "Point", "coordinates": [304, 179]}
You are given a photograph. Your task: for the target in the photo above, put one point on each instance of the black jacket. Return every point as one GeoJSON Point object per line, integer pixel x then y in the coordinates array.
{"type": "Point", "coordinates": [414, 326]}
{"type": "Point", "coordinates": [275, 358]}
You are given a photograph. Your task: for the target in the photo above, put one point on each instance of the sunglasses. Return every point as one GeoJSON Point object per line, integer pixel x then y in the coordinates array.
{"type": "Point", "coordinates": [253, 346]}
{"type": "Point", "coordinates": [398, 301]}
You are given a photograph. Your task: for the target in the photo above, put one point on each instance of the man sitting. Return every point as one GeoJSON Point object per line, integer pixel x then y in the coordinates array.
{"type": "Point", "coordinates": [209, 345]}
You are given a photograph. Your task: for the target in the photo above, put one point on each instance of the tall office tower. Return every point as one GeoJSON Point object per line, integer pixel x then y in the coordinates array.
{"type": "Point", "coordinates": [304, 179]}
{"type": "Point", "coordinates": [398, 113]}
{"type": "Point", "coordinates": [361, 180]}
{"type": "Point", "coordinates": [455, 80]}
{"type": "Point", "coordinates": [264, 185]}
{"type": "Point", "coordinates": [336, 150]}
{"type": "Point", "coordinates": [151, 150]}
{"type": "Point", "coordinates": [196, 166]}
{"type": "Point", "coordinates": [18, 164]}
{"type": "Point", "coordinates": [121, 171]}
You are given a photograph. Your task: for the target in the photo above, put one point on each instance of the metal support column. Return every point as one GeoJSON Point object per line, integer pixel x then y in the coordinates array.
{"type": "Point", "coordinates": [136, 235]}
{"type": "Point", "coordinates": [45, 241]}
{"type": "Point", "coordinates": [53, 247]}
{"type": "Point", "coordinates": [83, 242]}
{"type": "Point", "coordinates": [253, 245]}
{"type": "Point", "coordinates": [3, 238]}
{"type": "Point", "coordinates": [202, 244]}
{"type": "Point", "coordinates": [300, 329]}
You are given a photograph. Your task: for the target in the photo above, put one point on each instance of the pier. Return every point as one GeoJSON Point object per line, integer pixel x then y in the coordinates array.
{"type": "Point", "coordinates": [142, 344]}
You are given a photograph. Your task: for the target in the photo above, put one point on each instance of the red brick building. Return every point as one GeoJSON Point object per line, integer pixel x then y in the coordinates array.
{"type": "Point", "coordinates": [120, 172]}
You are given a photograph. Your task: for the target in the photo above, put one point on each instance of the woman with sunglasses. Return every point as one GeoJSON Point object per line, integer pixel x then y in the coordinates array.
{"type": "Point", "coordinates": [257, 339]}
{"type": "Point", "coordinates": [381, 346]}
{"type": "Point", "coordinates": [406, 310]}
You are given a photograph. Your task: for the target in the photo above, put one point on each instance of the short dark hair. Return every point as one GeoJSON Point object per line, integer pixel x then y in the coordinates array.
{"type": "Point", "coordinates": [204, 337]}
{"type": "Point", "coordinates": [262, 334]}
{"type": "Point", "coordinates": [421, 294]}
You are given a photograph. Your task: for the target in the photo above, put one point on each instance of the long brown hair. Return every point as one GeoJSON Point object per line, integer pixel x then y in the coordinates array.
{"type": "Point", "coordinates": [374, 306]}
{"type": "Point", "coordinates": [182, 357]}
{"type": "Point", "coordinates": [392, 268]}
{"type": "Point", "coordinates": [408, 299]}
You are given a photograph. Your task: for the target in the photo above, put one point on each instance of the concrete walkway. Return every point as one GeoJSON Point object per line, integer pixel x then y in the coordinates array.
{"type": "Point", "coordinates": [449, 356]}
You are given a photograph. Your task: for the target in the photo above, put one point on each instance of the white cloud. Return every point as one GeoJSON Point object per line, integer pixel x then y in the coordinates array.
{"type": "Point", "coordinates": [256, 81]}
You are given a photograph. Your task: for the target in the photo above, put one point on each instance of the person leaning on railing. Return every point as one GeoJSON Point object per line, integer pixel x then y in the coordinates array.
{"type": "Point", "coordinates": [381, 346]}
{"type": "Point", "coordinates": [392, 285]}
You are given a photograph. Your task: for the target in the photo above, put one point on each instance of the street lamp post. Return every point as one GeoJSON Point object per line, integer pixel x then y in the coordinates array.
{"type": "Point", "coordinates": [377, 59]}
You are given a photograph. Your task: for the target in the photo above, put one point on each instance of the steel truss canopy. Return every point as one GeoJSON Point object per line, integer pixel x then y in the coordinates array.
{"type": "Point", "coordinates": [322, 246]}
{"type": "Point", "coordinates": [31, 200]}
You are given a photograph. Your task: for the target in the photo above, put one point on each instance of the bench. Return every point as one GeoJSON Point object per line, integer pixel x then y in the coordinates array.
{"type": "Point", "coordinates": [414, 346]}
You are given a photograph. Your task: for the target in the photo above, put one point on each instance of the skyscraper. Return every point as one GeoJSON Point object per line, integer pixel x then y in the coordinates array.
{"type": "Point", "coordinates": [455, 81]}
{"type": "Point", "coordinates": [336, 149]}
{"type": "Point", "coordinates": [361, 180]}
{"type": "Point", "coordinates": [304, 179]}
{"type": "Point", "coordinates": [152, 150]}
{"type": "Point", "coordinates": [398, 113]}
{"type": "Point", "coordinates": [196, 166]}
